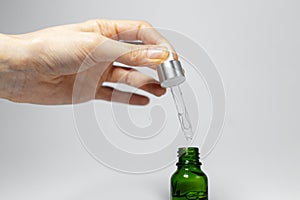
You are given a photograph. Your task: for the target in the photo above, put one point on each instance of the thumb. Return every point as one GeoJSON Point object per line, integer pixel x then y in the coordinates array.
{"type": "Point", "coordinates": [140, 55]}
{"type": "Point", "coordinates": [129, 54]}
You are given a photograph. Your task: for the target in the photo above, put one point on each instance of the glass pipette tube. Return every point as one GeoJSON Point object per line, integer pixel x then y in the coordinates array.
{"type": "Point", "coordinates": [183, 115]}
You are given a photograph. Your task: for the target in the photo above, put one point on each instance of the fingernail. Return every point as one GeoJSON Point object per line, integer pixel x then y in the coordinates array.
{"type": "Point", "coordinates": [159, 92]}
{"type": "Point", "coordinates": [157, 53]}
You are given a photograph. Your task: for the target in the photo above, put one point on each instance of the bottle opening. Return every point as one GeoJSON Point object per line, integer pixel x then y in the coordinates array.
{"type": "Point", "coordinates": [188, 156]}
{"type": "Point", "coordinates": [188, 150]}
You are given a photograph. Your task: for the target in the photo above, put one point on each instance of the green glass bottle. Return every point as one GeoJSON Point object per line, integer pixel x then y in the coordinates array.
{"type": "Point", "coordinates": [189, 182]}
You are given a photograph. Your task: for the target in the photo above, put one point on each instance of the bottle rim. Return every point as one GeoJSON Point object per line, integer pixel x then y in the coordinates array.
{"type": "Point", "coordinates": [188, 156]}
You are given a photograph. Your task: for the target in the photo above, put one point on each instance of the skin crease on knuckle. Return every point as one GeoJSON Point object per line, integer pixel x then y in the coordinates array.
{"type": "Point", "coordinates": [106, 28]}
{"type": "Point", "coordinates": [144, 24]}
{"type": "Point", "coordinates": [135, 56]}
{"type": "Point", "coordinates": [128, 77]}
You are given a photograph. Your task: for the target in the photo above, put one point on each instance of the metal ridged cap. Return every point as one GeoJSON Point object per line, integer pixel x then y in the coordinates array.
{"type": "Point", "coordinates": [170, 73]}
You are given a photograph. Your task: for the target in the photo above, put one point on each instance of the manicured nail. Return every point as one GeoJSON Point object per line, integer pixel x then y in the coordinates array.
{"type": "Point", "coordinates": [157, 53]}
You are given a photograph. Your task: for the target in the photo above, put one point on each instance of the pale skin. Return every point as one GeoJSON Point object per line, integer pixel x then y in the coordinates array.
{"type": "Point", "coordinates": [41, 67]}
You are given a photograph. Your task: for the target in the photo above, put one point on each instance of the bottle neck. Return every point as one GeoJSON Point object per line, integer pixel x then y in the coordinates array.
{"type": "Point", "coordinates": [188, 157]}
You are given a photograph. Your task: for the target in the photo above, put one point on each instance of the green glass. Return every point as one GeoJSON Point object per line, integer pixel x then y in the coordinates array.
{"type": "Point", "coordinates": [189, 182]}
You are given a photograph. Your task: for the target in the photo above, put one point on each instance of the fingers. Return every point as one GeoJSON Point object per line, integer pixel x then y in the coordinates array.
{"type": "Point", "coordinates": [136, 79]}
{"type": "Point", "coordinates": [124, 30]}
{"type": "Point", "coordinates": [130, 54]}
{"type": "Point", "coordinates": [143, 55]}
{"type": "Point", "coordinates": [110, 94]}
{"type": "Point", "coordinates": [128, 30]}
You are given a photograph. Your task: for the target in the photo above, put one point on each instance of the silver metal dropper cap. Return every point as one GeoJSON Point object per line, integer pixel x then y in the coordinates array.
{"type": "Point", "coordinates": [170, 72]}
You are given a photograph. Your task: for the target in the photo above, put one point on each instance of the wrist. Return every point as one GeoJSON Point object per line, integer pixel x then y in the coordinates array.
{"type": "Point", "coordinates": [13, 56]}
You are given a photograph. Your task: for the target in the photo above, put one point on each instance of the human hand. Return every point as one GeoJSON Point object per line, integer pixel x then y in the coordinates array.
{"type": "Point", "coordinates": [41, 67]}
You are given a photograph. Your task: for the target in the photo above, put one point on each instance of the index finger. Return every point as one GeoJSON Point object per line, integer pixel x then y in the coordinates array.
{"type": "Point", "coordinates": [128, 30]}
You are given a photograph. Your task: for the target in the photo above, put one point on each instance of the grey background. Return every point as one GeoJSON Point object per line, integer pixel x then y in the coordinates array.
{"type": "Point", "coordinates": [255, 45]}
